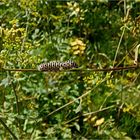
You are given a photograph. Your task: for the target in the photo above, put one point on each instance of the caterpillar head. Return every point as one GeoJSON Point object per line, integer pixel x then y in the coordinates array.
{"type": "Point", "coordinates": [42, 67]}
{"type": "Point", "coordinates": [72, 64]}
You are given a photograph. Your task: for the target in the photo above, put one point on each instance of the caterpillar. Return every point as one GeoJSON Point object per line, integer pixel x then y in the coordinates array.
{"type": "Point", "coordinates": [57, 66]}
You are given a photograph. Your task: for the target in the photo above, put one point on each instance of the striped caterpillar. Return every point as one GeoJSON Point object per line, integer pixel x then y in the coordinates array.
{"type": "Point", "coordinates": [57, 66]}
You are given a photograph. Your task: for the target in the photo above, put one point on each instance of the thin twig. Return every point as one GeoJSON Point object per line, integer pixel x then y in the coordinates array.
{"type": "Point", "coordinates": [7, 128]}
{"type": "Point", "coordinates": [119, 45]}
{"type": "Point", "coordinates": [125, 8]}
{"type": "Point", "coordinates": [120, 41]}
{"type": "Point", "coordinates": [108, 69]}
{"type": "Point", "coordinates": [103, 109]}
{"type": "Point", "coordinates": [22, 70]}
{"type": "Point", "coordinates": [16, 97]}
{"type": "Point", "coordinates": [91, 113]}
{"type": "Point", "coordinates": [17, 102]}
{"type": "Point", "coordinates": [136, 54]}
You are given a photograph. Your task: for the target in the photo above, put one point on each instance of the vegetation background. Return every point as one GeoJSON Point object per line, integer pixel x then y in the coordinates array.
{"type": "Point", "coordinates": [69, 105]}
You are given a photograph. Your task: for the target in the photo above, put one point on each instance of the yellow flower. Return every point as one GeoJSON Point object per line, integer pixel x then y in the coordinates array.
{"type": "Point", "coordinates": [76, 52]}
{"type": "Point", "coordinates": [99, 121]}
{"type": "Point", "coordinates": [78, 46]}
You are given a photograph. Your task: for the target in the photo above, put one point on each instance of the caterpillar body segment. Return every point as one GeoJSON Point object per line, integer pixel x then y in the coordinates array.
{"type": "Point", "coordinates": [57, 66]}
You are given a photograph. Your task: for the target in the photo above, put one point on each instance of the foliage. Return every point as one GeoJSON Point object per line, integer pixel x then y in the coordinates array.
{"type": "Point", "coordinates": [69, 105]}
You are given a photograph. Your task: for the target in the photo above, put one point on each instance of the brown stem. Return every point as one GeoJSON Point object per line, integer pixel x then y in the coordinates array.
{"type": "Point", "coordinates": [109, 69]}
{"type": "Point", "coordinates": [76, 69]}
{"type": "Point", "coordinates": [22, 70]}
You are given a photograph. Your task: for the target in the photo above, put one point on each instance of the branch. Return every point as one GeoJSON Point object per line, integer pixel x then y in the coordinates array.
{"type": "Point", "coordinates": [75, 69]}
